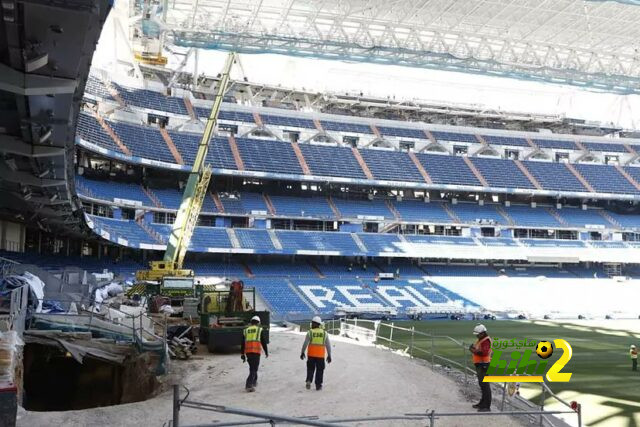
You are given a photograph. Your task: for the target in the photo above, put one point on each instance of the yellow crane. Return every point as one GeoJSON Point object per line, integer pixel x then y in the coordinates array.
{"type": "Point", "coordinates": [192, 199]}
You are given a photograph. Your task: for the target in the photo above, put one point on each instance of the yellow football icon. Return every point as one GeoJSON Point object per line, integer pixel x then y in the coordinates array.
{"type": "Point", "coordinates": [544, 349]}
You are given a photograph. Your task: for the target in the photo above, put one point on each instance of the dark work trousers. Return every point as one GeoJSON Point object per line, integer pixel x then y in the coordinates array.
{"type": "Point", "coordinates": [254, 362]}
{"type": "Point", "coordinates": [634, 364]}
{"type": "Point", "coordinates": [315, 365]}
{"type": "Point", "coordinates": [485, 388]}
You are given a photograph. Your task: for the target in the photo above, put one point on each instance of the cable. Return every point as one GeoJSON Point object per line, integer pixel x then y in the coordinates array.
{"type": "Point", "coordinates": [186, 396]}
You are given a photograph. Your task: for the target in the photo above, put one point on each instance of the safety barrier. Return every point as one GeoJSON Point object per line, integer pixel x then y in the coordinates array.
{"type": "Point", "coordinates": [370, 330]}
{"type": "Point", "coordinates": [138, 329]}
{"type": "Point", "coordinates": [431, 347]}
{"type": "Point", "coordinates": [258, 417]}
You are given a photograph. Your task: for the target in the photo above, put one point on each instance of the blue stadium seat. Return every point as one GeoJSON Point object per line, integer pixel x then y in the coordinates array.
{"type": "Point", "coordinates": [110, 190]}
{"type": "Point", "coordinates": [361, 208]}
{"type": "Point", "coordinates": [328, 295]}
{"type": "Point", "coordinates": [402, 132]}
{"type": "Point", "coordinates": [405, 267]}
{"type": "Point", "coordinates": [554, 176]}
{"type": "Point", "coordinates": [96, 87]}
{"type": "Point", "coordinates": [332, 161]}
{"type": "Point", "coordinates": [561, 144]}
{"type": "Point", "coordinates": [123, 229]}
{"type": "Point", "coordinates": [379, 243]}
{"type": "Point", "coordinates": [497, 241]}
{"type": "Point", "coordinates": [229, 269]}
{"type": "Point", "coordinates": [472, 213]}
{"type": "Point", "coordinates": [232, 204]}
{"type": "Point", "coordinates": [169, 197]}
{"type": "Point", "coordinates": [611, 147]}
{"type": "Point", "coordinates": [279, 296]}
{"type": "Point", "coordinates": [316, 207]}
{"type": "Point", "coordinates": [506, 140]}
{"type": "Point", "coordinates": [606, 179]}
{"type": "Point", "coordinates": [391, 165]}
{"type": "Point", "coordinates": [608, 244]}
{"type": "Point", "coordinates": [253, 202]}
{"type": "Point", "coordinates": [255, 239]}
{"type": "Point", "coordinates": [631, 221]}
{"type": "Point", "coordinates": [317, 241]}
{"type": "Point", "coordinates": [346, 127]}
{"type": "Point", "coordinates": [227, 115]}
{"type": "Point", "coordinates": [501, 173]}
{"type": "Point", "coordinates": [576, 217]}
{"type": "Point", "coordinates": [526, 216]}
{"type": "Point", "coordinates": [282, 269]}
{"type": "Point", "coordinates": [152, 100]}
{"type": "Point", "coordinates": [461, 270]}
{"type": "Point", "coordinates": [270, 119]}
{"type": "Point", "coordinates": [90, 130]}
{"type": "Point", "coordinates": [553, 243]}
{"type": "Point", "coordinates": [415, 211]}
{"type": "Point", "coordinates": [454, 137]}
{"type": "Point", "coordinates": [143, 141]}
{"type": "Point", "coordinates": [434, 239]}
{"type": "Point", "coordinates": [268, 156]}
{"type": "Point", "coordinates": [445, 169]}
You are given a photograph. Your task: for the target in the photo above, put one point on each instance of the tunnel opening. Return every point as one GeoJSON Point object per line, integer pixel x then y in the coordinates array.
{"type": "Point", "coordinates": [55, 381]}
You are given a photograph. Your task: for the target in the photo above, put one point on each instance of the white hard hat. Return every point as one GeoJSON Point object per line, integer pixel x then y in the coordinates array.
{"type": "Point", "coordinates": [479, 329]}
{"type": "Point", "coordinates": [256, 318]}
{"type": "Point", "coordinates": [633, 346]}
{"type": "Point", "coordinates": [317, 319]}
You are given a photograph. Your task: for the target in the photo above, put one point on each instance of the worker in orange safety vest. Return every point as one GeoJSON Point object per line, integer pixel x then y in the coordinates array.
{"type": "Point", "coordinates": [481, 357]}
{"type": "Point", "coordinates": [317, 345]}
{"type": "Point", "coordinates": [253, 342]}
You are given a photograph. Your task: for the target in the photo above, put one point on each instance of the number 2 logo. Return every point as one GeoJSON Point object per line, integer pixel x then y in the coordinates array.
{"type": "Point", "coordinates": [554, 374]}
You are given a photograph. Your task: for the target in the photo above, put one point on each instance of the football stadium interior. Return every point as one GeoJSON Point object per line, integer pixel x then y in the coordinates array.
{"type": "Point", "coordinates": [139, 177]}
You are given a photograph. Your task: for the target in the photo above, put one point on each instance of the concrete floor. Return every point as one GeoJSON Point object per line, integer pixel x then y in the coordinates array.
{"type": "Point", "coordinates": [362, 381]}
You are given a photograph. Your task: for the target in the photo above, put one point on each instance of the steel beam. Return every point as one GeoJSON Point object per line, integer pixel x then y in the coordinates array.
{"type": "Point", "coordinates": [26, 84]}
{"type": "Point", "coordinates": [13, 145]}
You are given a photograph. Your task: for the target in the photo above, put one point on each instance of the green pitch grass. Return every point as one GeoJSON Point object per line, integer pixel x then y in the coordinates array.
{"type": "Point", "coordinates": [602, 378]}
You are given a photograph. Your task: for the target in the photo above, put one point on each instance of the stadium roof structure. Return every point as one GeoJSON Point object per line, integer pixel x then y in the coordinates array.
{"type": "Point", "coordinates": [589, 43]}
{"type": "Point", "coordinates": [45, 53]}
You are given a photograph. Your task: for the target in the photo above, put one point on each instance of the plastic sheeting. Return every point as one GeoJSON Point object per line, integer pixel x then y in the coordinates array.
{"type": "Point", "coordinates": [108, 291]}
{"type": "Point", "coordinates": [36, 288]}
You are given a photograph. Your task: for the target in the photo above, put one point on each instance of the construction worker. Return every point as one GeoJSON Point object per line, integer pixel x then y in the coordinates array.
{"type": "Point", "coordinates": [634, 357]}
{"type": "Point", "coordinates": [253, 342]}
{"type": "Point", "coordinates": [481, 356]}
{"type": "Point", "coordinates": [318, 346]}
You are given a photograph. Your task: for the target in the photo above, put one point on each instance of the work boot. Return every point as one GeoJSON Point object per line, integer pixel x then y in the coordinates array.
{"type": "Point", "coordinates": [484, 409]}
{"type": "Point", "coordinates": [318, 387]}
{"type": "Point", "coordinates": [308, 385]}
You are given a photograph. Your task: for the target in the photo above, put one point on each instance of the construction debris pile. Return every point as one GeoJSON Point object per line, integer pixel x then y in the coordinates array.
{"type": "Point", "coordinates": [181, 341]}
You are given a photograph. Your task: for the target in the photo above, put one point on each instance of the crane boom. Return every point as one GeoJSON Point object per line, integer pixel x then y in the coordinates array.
{"type": "Point", "coordinates": [193, 196]}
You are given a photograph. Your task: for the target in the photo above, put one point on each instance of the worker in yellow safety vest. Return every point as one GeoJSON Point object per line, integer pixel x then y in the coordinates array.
{"type": "Point", "coordinates": [481, 357]}
{"type": "Point", "coordinates": [633, 352]}
{"type": "Point", "coordinates": [317, 345]}
{"type": "Point", "coordinates": [253, 342]}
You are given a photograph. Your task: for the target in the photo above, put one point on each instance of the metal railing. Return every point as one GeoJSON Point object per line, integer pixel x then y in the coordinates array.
{"type": "Point", "coordinates": [258, 417]}
{"type": "Point", "coordinates": [140, 325]}
{"type": "Point", "coordinates": [139, 329]}
{"type": "Point", "coordinates": [370, 330]}
{"type": "Point", "coordinates": [430, 347]}
{"type": "Point", "coordinates": [6, 266]}
{"type": "Point", "coordinates": [15, 312]}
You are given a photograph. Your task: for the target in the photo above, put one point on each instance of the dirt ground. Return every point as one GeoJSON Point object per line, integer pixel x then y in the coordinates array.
{"type": "Point", "coordinates": [362, 381]}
